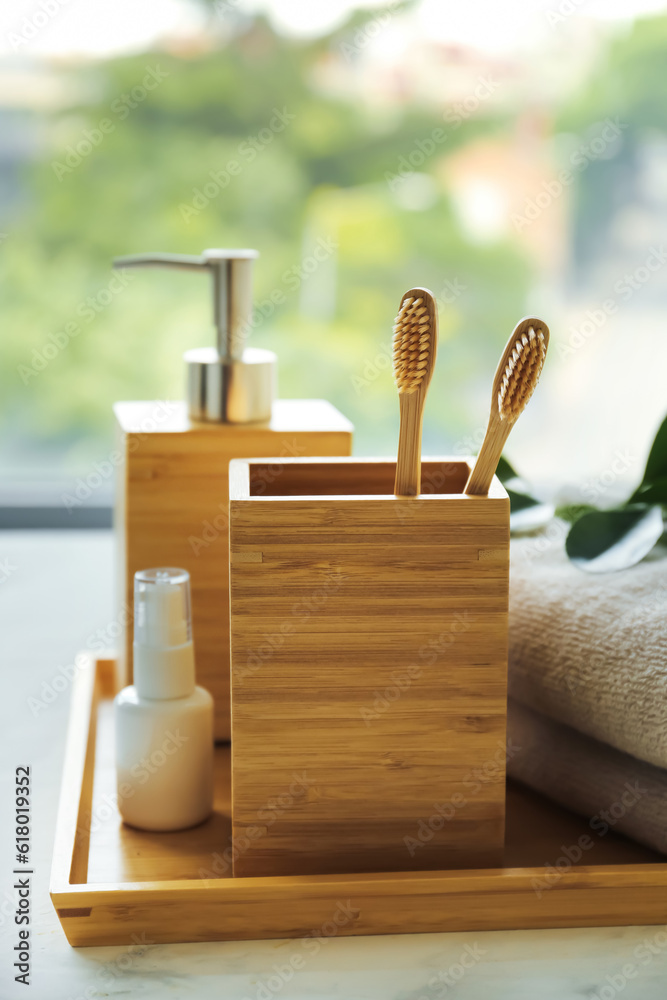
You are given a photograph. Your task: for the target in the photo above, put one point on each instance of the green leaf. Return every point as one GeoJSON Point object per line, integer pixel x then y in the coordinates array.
{"type": "Point", "coordinates": [515, 486]}
{"type": "Point", "coordinates": [519, 501]}
{"type": "Point", "coordinates": [571, 512]}
{"type": "Point", "coordinates": [656, 464]}
{"type": "Point", "coordinates": [654, 492]}
{"type": "Point", "coordinates": [526, 513]}
{"type": "Point", "coordinates": [602, 541]}
{"type": "Point", "coordinates": [505, 470]}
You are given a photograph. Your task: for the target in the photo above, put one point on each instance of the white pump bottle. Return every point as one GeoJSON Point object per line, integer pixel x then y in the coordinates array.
{"type": "Point", "coordinates": [164, 722]}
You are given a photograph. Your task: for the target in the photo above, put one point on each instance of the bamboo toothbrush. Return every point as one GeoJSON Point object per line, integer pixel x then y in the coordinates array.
{"type": "Point", "coordinates": [414, 347]}
{"type": "Point", "coordinates": [517, 375]}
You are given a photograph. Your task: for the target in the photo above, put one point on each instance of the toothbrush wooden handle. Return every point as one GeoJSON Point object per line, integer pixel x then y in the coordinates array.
{"type": "Point", "coordinates": [486, 464]}
{"type": "Point", "coordinates": [408, 459]}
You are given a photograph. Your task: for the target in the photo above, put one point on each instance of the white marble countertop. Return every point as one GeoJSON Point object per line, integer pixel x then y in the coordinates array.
{"type": "Point", "coordinates": [56, 590]}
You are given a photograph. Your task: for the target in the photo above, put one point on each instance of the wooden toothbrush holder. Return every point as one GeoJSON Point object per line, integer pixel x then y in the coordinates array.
{"type": "Point", "coordinates": [369, 668]}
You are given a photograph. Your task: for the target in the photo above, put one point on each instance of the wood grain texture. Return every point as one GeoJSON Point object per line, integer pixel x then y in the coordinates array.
{"type": "Point", "coordinates": [114, 885]}
{"type": "Point", "coordinates": [172, 509]}
{"type": "Point", "coordinates": [369, 662]}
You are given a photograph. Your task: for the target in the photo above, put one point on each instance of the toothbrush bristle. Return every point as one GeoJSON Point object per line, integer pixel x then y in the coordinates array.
{"type": "Point", "coordinates": [522, 373]}
{"type": "Point", "coordinates": [411, 344]}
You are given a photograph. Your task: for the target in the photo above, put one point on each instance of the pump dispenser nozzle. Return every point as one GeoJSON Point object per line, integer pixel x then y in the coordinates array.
{"type": "Point", "coordinates": [227, 383]}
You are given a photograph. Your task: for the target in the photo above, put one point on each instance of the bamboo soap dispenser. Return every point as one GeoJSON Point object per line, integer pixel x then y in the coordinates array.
{"type": "Point", "coordinates": [172, 502]}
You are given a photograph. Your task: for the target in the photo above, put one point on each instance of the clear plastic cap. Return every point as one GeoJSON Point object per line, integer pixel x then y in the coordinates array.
{"type": "Point", "coordinates": [162, 616]}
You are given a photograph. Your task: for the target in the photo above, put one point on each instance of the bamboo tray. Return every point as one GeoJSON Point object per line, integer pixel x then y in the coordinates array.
{"type": "Point", "coordinates": [114, 885]}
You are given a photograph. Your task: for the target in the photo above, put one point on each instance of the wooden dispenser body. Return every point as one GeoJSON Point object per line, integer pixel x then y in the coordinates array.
{"type": "Point", "coordinates": [369, 669]}
{"type": "Point", "coordinates": [172, 510]}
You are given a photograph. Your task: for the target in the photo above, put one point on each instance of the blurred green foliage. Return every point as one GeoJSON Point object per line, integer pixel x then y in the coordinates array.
{"type": "Point", "coordinates": [321, 178]}
{"type": "Point", "coordinates": [622, 89]}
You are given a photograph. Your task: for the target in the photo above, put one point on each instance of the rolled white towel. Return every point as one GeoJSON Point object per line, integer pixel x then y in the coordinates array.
{"type": "Point", "coordinates": [590, 650]}
{"type": "Point", "coordinates": [612, 789]}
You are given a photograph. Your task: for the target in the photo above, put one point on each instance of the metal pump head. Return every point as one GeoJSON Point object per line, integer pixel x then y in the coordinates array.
{"type": "Point", "coordinates": [228, 383]}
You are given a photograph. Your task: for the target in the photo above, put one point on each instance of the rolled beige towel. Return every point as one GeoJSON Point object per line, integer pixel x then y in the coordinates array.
{"type": "Point", "coordinates": [590, 650]}
{"type": "Point", "coordinates": [610, 788]}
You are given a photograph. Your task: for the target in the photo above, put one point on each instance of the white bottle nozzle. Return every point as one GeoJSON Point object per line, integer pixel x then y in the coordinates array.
{"type": "Point", "coordinates": [163, 650]}
{"type": "Point", "coordinates": [162, 607]}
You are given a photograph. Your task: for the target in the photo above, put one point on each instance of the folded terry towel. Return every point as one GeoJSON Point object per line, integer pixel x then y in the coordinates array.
{"type": "Point", "coordinates": [611, 788]}
{"type": "Point", "coordinates": [590, 650]}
